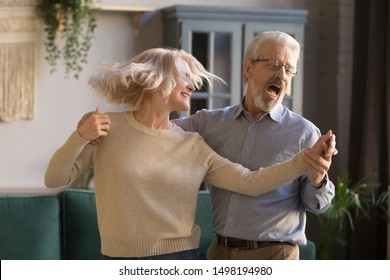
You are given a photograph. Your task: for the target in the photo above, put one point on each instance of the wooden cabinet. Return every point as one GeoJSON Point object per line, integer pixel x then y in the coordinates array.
{"type": "Point", "coordinates": [218, 37]}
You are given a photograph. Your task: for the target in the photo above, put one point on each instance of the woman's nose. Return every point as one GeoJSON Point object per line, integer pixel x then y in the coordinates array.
{"type": "Point", "coordinates": [190, 86]}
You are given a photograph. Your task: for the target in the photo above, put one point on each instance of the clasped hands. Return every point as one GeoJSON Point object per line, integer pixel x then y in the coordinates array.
{"type": "Point", "coordinates": [319, 158]}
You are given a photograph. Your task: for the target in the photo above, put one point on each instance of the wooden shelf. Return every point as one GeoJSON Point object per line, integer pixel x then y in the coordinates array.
{"type": "Point", "coordinates": [136, 11]}
{"type": "Point", "coordinates": [125, 8]}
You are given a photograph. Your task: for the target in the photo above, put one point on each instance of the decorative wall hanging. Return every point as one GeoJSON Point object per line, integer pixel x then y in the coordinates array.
{"type": "Point", "coordinates": [18, 45]}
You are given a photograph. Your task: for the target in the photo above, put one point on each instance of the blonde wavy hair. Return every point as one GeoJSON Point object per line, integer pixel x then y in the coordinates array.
{"type": "Point", "coordinates": [154, 70]}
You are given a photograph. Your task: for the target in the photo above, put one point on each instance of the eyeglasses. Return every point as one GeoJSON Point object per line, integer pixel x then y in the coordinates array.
{"type": "Point", "coordinates": [275, 65]}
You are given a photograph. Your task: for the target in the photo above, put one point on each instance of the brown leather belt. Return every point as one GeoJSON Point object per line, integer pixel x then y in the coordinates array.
{"type": "Point", "coordinates": [240, 244]}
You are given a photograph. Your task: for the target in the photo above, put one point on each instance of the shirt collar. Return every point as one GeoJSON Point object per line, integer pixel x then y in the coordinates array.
{"type": "Point", "coordinates": [240, 109]}
{"type": "Point", "coordinates": [275, 114]}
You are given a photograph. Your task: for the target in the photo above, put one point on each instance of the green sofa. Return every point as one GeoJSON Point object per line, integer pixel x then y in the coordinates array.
{"type": "Point", "coordinates": [64, 226]}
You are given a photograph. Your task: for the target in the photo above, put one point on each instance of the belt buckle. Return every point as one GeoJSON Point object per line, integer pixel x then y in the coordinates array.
{"type": "Point", "coordinates": [255, 245]}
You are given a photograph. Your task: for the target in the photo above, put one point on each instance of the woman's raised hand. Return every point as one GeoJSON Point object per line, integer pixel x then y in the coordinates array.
{"type": "Point", "coordinates": [93, 125]}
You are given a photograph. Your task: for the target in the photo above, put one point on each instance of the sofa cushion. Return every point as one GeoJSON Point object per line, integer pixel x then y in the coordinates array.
{"type": "Point", "coordinates": [203, 218]}
{"type": "Point", "coordinates": [81, 239]}
{"type": "Point", "coordinates": [29, 227]}
{"type": "Point", "coordinates": [308, 251]}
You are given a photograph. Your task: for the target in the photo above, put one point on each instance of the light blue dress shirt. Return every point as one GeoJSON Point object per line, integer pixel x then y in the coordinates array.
{"type": "Point", "coordinates": [279, 135]}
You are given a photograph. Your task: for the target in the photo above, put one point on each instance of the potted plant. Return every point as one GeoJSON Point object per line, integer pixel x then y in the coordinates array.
{"type": "Point", "coordinates": [352, 203]}
{"type": "Point", "coordinates": [69, 27]}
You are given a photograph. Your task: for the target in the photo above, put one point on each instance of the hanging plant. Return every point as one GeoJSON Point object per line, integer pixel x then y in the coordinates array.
{"type": "Point", "coordinates": [69, 27]}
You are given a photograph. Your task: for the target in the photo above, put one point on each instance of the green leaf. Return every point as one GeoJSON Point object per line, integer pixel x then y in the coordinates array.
{"type": "Point", "coordinates": [75, 19]}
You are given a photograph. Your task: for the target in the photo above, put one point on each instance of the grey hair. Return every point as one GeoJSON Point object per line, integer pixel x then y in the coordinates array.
{"type": "Point", "coordinates": [254, 48]}
{"type": "Point", "coordinates": [154, 70]}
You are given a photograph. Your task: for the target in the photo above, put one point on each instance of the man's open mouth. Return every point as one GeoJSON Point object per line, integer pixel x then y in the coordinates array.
{"type": "Point", "coordinates": [275, 89]}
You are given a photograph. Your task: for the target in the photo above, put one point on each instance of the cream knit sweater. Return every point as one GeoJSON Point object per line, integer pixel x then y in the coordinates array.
{"type": "Point", "coordinates": [147, 183]}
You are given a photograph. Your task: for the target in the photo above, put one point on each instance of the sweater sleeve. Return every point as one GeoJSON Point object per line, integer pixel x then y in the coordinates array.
{"type": "Point", "coordinates": [69, 162]}
{"type": "Point", "coordinates": [234, 177]}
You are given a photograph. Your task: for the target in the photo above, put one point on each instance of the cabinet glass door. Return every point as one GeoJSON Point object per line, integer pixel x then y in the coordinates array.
{"type": "Point", "coordinates": [218, 47]}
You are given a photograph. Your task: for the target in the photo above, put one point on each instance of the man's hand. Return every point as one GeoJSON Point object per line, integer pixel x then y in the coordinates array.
{"type": "Point", "coordinates": [93, 125]}
{"type": "Point", "coordinates": [320, 158]}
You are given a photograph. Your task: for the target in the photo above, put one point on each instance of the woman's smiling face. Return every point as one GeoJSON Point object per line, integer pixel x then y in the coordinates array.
{"type": "Point", "coordinates": [179, 99]}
